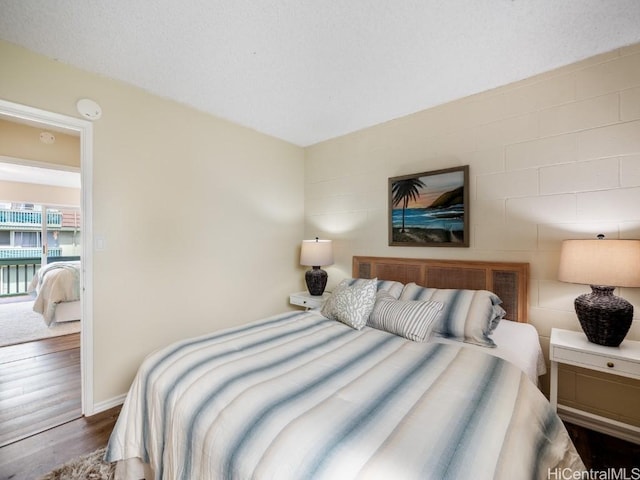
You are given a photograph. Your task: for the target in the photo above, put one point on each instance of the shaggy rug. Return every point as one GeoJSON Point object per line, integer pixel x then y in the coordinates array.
{"type": "Point", "coordinates": [86, 467]}
{"type": "Point", "coordinates": [19, 324]}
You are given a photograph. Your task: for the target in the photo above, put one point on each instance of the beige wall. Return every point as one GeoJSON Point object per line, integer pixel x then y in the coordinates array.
{"type": "Point", "coordinates": [556, 156]}
{"type": "Point", "coordinates": [23, 142]}
{"type": "Point", "coordinates": [42, 194]}
{"type": "Point", "coordinates": [201, 218]}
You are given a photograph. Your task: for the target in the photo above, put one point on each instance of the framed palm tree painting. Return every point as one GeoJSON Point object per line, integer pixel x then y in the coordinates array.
{"type": "Point", "coordinates": [430, 209]}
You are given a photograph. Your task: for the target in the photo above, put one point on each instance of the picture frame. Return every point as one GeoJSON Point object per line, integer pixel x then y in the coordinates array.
{"type": "Point", "coordinates": [430, 209]}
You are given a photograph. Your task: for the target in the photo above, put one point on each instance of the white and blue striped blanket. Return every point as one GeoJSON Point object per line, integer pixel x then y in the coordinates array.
{"type": "Point", "coordinates": [298, 396]}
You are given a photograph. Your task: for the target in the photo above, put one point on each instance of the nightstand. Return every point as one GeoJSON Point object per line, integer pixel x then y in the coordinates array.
{"type": "Point", "coordinates": [573, 348]}
{"type": "Point", "coordinates": [305, 299]}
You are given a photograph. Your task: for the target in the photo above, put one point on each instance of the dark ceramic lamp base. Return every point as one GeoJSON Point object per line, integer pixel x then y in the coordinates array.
{"type": "Point", "coordinates": [316, 279]}
{"type": "Point", "coordinates": [604, 317]}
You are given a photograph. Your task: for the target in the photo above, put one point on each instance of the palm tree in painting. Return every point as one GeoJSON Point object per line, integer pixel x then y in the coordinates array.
{"type": "Point", "coordinates": [404, 191]}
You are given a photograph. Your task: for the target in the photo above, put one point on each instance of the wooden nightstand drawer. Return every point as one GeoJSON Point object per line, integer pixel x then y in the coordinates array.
{"type": "Point", "coordinates": [574, 348]}
{"type": "Point", "coordinates": [602, 363]}
{"type": "Point", "coordinates": [304, 299]}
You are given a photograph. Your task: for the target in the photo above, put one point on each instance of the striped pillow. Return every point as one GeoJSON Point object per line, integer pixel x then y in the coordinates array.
{"type": "Point", "coordinates": [468, 315]}
{"type": "Point", "coordinates": [408, 318]}
{"type": "Point", "coordinates": [391, 286]}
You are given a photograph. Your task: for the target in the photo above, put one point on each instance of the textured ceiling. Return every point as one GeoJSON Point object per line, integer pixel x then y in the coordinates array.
{"type": "Point", "coordinates": [308, 70]}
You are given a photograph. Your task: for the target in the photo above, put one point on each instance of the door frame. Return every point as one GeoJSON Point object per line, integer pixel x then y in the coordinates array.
{"type": "Point", "coordinates": [85, 130]}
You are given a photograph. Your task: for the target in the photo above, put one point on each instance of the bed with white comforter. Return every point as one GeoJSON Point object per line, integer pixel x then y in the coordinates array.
{"type": "Point", "coordinates": [299, 396]}
{"type": "Point", "coordinates": [56, 286]}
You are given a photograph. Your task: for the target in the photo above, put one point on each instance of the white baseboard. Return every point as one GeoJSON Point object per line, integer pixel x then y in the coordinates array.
{"type": "Point", "coordinates": [107, 404]}
{"type": "Point", "coordinates": [605, 425]}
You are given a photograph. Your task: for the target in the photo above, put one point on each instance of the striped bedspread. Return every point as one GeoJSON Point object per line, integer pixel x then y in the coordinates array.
{"type": "Point", "coordinates": [297, 396]}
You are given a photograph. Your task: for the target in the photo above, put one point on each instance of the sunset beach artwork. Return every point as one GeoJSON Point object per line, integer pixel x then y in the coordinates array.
{"type": "Point", "coordinates": [430, 209]}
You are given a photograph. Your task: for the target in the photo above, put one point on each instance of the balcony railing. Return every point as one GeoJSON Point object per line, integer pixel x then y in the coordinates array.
{"type": "Point", "coordinates": [28, 218]}
{"type": "Point", "coordinates": [16, 275]}
{"type": "Point", "coordinates": [27, 252]}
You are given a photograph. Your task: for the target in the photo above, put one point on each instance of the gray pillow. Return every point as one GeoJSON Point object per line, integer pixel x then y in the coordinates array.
{"type": "Point", "coordinates": [351, 304]}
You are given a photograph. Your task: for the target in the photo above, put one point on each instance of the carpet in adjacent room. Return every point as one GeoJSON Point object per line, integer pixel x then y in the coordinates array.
{"type": "Point", "coordinates": [19, 324]}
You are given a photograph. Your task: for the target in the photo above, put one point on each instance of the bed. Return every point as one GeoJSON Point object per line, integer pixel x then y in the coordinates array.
{"type": "Point", "coordinates": [56, 288]}
{"type": "Point", "coordinates": [300, 396]}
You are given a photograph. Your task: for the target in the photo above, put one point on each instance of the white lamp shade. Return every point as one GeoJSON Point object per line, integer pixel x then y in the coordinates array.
{"type": "Point", "coordinates": [614, 263]}
{"type": "Point", "coordinates": [316, 253]}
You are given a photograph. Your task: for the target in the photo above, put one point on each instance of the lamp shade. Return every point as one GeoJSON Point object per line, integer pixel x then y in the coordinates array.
{"type": "Point", "coordinates": [316, 253]}
{"type": "Point", "coordinates": [613, 263]}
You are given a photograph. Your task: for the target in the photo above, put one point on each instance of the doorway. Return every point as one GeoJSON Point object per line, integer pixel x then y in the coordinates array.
{"type": "Point", "coordinates": [38, 300]}
{"type": "Point", "coordinates": [84, 129]}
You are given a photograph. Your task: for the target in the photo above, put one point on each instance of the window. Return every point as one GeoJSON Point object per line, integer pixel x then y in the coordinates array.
{"type": "Point", "coordinates": [26, 239]}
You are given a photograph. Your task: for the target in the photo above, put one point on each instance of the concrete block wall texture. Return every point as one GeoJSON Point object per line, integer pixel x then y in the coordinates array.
{"type": "Point", "coordinates": [552, 157]}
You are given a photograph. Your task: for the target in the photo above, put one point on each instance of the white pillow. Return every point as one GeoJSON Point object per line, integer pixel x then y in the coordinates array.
{"type": "Point", "coordinates": [351, 304]}
{"type": "Point", "coordinates": [410, 319]}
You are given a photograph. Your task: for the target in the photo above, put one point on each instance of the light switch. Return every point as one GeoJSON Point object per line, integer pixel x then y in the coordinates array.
{"type": "Point", "coordinates": [100, 243]}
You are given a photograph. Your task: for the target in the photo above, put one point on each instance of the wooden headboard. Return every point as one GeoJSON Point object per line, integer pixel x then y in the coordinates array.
{"type": "Point", "coordinates": [508, 280]}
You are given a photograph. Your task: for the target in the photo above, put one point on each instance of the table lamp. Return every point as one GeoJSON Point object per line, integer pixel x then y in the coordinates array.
{"type": "Point", "coordinates": [603, 264]}
{"type": "Point", "coordinates": [316, 253]}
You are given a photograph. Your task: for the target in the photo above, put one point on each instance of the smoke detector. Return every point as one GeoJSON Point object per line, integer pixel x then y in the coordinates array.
{"type": "Point", "coordinates": [89, 109]}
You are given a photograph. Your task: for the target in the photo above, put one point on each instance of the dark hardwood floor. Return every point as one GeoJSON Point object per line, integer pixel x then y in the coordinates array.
{"type": "Point", "coordinates": [34, 453]}
{"type": "Point", "coordinates": [40, 386]}
{"type": "Point", "coordinates": [41, 423]}
{"type": "Point", "coordinates": [36, 456]}
{"type": "Point", "coordinates": [600, 452]}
